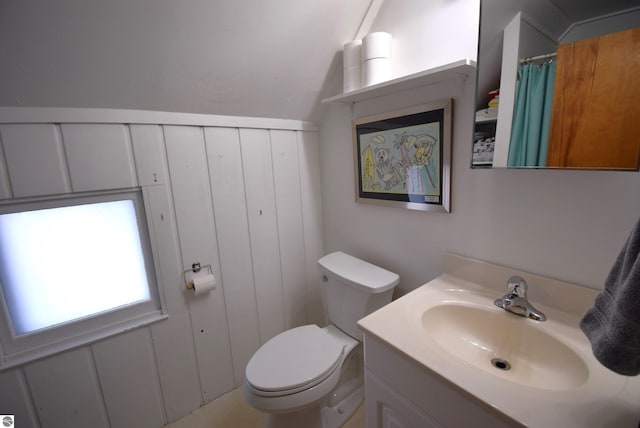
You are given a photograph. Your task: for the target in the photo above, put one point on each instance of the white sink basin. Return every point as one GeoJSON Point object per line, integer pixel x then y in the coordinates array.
{"type": "Point", "coordinates": [505, 345]}
{"type": "Point", "coordinates": [451, 327]}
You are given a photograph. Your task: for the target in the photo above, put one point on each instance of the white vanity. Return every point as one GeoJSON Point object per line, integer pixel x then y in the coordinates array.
{"type": "Point", "coordinates": [445, 356]}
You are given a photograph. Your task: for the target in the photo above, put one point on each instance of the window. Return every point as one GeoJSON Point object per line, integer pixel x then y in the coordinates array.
{"type": "Point", "coordinates": [73, 269]}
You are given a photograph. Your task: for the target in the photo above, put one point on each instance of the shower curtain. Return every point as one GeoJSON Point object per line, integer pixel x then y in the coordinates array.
{"type": "Point", "coordinates": [532, 115]}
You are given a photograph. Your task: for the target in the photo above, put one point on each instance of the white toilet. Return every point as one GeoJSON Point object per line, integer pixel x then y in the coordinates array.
{"type": "Point", "coordinates": [310, 376]}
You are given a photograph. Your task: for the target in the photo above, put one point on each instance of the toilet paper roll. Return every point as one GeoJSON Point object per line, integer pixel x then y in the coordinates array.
{"type": "Point", "coordinates": [376, 45]}
{"type": "Point", "coordinates": [376, 70]}
{"type": "Point", "coordinates": [352, 54]}
{"type": "Point", "coordinates": [352, 79]}
{"type": "Point", "coordinates": [202, 282]}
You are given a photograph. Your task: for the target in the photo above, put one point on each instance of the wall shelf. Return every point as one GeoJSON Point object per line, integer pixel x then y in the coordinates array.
{"type": "Point", "coordinates": [464, 68]}
{"type": "Point", "coordinates": [486, 119]}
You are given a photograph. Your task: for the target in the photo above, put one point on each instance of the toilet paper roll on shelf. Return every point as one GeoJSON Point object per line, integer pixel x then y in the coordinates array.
{"type": "Point", "coordinates": [376, 70]}
{"type": "Point", "coordinates": [376, 45]}
{"type": "Point", "coordinates": [352, 54]}
{"type": "Point", "coordinates": [352, 61]}
{"type": "Point", "coordinates": [352, 79]}
{"type": "Point", "coordinates": [376, 58]}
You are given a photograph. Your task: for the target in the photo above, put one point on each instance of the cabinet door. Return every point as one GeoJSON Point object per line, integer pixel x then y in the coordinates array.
{"type": "Point", "coordinates": [385, 408]}
{"type": "Point", "coordinates": [595, 104]}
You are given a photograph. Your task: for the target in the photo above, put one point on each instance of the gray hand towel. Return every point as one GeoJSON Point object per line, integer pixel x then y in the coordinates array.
{"type": "Point", "coordinates": [612, 324]}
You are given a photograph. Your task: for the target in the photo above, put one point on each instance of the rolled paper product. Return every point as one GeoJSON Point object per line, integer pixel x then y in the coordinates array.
{"type": "Point", "coordinates": [352, 54]}
{"type": "Point", "coordinates": [376, 70]}
{"type": "Point", "coordinates": [352, 62]}
{"type": "Point", "coordinates": [376, 45]}
{"type": "Point", "coordinates": [202, 282]}
{"type": "Point", "coordinates": [352, 79]}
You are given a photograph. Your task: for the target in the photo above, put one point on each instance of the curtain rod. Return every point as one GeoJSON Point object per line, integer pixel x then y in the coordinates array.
{"type": "Point", "coordinates": [538, 57]}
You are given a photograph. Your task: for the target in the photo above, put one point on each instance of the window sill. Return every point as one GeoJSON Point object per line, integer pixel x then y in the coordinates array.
{"type": "Point", "coordinates": [11, 360]}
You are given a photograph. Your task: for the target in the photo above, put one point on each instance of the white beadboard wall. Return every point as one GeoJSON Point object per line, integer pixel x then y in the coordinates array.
{"type": "Point", "coordinates": [240, 194]}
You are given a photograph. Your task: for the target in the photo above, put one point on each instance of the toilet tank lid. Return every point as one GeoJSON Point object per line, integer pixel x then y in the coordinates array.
{"type": "Point", "coordinates": [358, 273]}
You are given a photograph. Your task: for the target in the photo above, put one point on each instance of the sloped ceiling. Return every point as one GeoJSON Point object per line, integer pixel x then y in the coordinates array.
{"type": "Point", "coordinates": [582, 10]}
{"type": "Point", "coordinates": [257, 58]}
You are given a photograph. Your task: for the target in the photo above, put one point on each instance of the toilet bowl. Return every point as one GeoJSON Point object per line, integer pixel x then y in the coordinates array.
{"type": "Point", "coordinates": [297, 368]}
{"type": "Point", "coordinates": [311, 376]}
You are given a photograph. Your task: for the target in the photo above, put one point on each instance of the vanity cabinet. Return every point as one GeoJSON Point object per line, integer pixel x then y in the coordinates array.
{"type": "Point", "coordinates": [427, 400]}
{"type": "Point", "coordinates": [430, 357]}
{"type": "Point", "coordinates": [391, 409]}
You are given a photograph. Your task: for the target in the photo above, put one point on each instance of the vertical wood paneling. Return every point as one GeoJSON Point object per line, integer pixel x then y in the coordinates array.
{"type": "Point", "coordinates": [286, 176]}
{"type": "Point", "coordinates": [35, 159]}
{"type": "Point", "coordinates": [177, 365]}
{"type": "Point", "coordinates": [66, 392]}
{"type": "Point", "coordinates": [261, 210]}
{"type": "Point", "coordinates": [172, 339]}
{"type": "Point", "coordinates": [5, 188]}
{"type": "Point", "coordinates": [148, 152]}
{"type": "Point", "coordinates": [227, 189]}
{"type": "Point", "coordinates": [197, 237]}
{"type": "Point", "coordinates": [309, 165]}
{"type": "Point", "coordinates": [15, 399]}
{"type": "Point", "coordinates": [238, 201]}
{"type": "Point", "coordinates": [99, 156]}
{"type": "Point", "coordinates": [166, 252]}
{"type": "Point", "coordinates": [161, 219]}
{"type": "Point", "coordinates": [129, 379]}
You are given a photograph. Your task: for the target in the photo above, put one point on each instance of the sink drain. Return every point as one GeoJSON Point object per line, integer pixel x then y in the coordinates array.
{"type": "Point", "coordinates": [501, 364]}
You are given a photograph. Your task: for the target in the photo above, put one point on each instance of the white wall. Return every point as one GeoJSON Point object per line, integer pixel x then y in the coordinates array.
{"type": "Point", "coordinates": [235, 193]}
{"type": "Point", "coordinates": [417, 27]}
{"type": "Point", "coordinates": [568, 225]}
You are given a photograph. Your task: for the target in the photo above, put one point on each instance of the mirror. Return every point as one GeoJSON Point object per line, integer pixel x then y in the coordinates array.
{"type": "Point", "coordinates": [558, 38]}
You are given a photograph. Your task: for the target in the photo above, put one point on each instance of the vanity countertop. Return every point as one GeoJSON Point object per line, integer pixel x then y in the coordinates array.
{"type": "Point", "coordinates": [591, 395]}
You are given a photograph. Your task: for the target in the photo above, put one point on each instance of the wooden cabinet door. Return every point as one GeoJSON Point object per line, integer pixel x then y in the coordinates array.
{"type": "Point", "coordinates": [596, 105]}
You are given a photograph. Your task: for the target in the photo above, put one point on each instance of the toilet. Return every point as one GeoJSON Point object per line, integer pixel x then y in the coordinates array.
{"type": "Point", "coordinates": [313, 377]}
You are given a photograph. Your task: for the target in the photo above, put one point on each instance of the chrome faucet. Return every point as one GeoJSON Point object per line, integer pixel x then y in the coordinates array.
{"type": "Point", "coordinates": [516, 300]}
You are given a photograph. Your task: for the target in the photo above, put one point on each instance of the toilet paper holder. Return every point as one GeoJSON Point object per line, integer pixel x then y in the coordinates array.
{"type": "Point", "coordinates": [195, 268]}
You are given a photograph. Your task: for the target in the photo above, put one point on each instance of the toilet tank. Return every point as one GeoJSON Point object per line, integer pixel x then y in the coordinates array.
{"type": "Point", "coordinates": [354, 288]}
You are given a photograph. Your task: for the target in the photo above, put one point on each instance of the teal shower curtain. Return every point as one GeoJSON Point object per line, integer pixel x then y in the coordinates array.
{"type": "Point", "coordinates": [532, 115]}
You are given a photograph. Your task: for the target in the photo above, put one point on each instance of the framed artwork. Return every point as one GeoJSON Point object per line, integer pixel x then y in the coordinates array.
{"type": "Point", "coordinates": [403, 158]}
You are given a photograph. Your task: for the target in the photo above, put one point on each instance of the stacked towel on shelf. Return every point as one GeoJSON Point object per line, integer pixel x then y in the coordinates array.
{"type": "Point", "coordinates": [491, 112]}
{"type": "Point", "coordinates": [612, 324]}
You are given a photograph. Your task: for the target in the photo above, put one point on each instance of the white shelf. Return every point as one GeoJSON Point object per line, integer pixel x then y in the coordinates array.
{"type": "Point", "coordinates": [465, 68]}
{"type": "Point", "coordinates": [486, 119]}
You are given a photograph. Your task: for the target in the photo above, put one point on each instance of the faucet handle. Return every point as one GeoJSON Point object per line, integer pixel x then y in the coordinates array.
{"type": "Point", "coordinates": [517, 286]}
{"type": "Point", "coordinates": [516, 300]}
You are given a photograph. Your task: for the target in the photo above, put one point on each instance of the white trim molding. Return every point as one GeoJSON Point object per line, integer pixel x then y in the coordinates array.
{"type": "Point", "coordinates": [101, 115]}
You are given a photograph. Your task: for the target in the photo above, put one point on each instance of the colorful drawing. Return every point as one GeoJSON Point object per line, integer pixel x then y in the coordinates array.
{"type": "Point", "coordinates": [403, 157]}
{"type": "Point", "coordinates": [406, 160]}
{"type": "Point", "coordinates": [368, 177]}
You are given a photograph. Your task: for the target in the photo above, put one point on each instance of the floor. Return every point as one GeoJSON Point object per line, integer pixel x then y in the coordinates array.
{"type": "Point", "coordinates": [231, 410]}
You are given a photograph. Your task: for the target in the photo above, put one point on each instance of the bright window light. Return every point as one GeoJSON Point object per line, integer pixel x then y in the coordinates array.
{"type": "Point", "coordinates": [73, 269]}
{"type": "Point", "coordinates": [63, 264]}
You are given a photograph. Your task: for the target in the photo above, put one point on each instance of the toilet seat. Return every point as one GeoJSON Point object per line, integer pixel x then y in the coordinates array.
{"type": "Point", "coordinates": [293, 361]}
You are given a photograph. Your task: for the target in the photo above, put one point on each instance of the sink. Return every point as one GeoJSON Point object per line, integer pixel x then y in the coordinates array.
{"type": "Point", "coordinates": [534, 373]}
{"type": "Point", "coordinates": [505, 345]}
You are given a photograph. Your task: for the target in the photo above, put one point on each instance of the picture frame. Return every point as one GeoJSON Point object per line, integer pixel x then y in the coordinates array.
{"type": "Point", "coordinates": [403, 158]}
